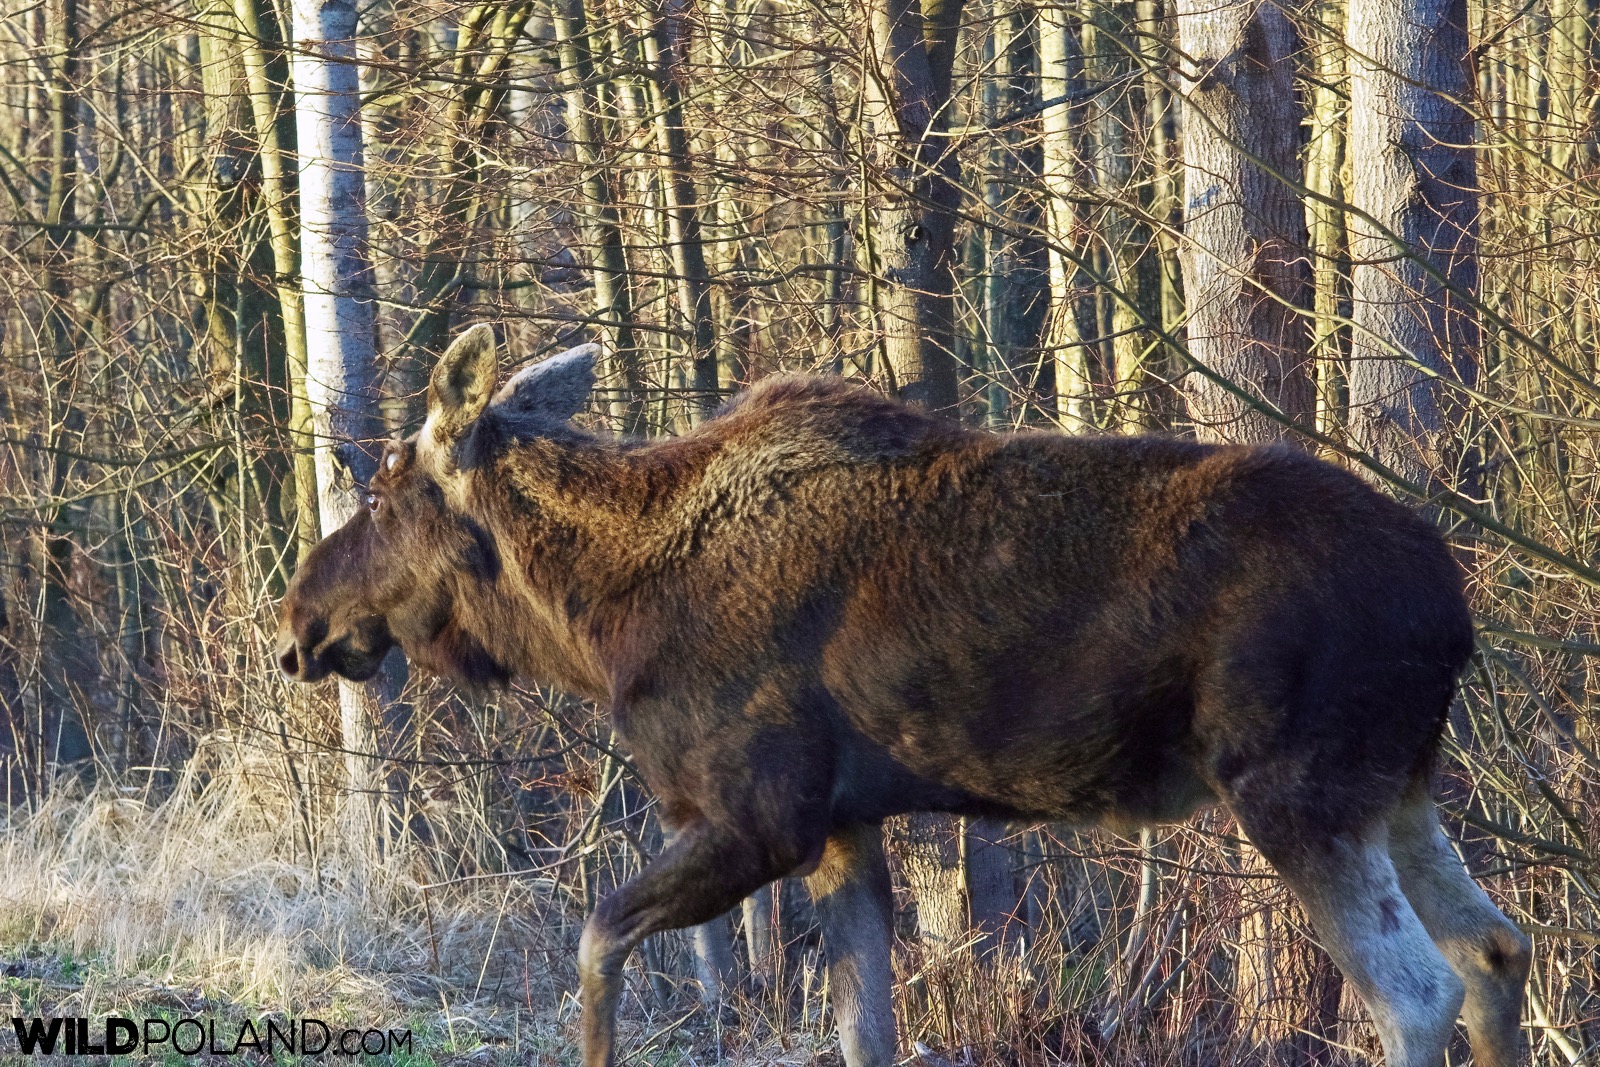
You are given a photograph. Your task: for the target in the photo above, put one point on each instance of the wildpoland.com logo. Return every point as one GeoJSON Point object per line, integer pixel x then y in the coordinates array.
{"type": "Point", "coordinates": [117, 1036]}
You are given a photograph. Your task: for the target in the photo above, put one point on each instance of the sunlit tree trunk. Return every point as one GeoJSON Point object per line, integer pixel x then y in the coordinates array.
{"type": "Point", "coordinates": [663, 52]}
{"type": "Point", "coordinates": [910, 237]}
{"type": "Point", "coordinates": [1155, 37]}
{"type": "Point", "coordinates": [1414, 233]}
{"type": "Point", "coordinates": [1246, 272]}
{"type": "Point", "coordinates": [1325, 218]}
{"type": "Point", "coordinates": [1061, 85]}
{"type": "Point", "coordinates": [342, 373]}
{"type": "Point", "coordinates": [265, 73]}
{"type": "Point", "coordinates": [248, 363]}
{"type": "Point", "coordinates": [960, 876]}
{"type": "Point", "coordinates": [600, 228]}
{"type": "Point", "coordinates": [1120, 124]}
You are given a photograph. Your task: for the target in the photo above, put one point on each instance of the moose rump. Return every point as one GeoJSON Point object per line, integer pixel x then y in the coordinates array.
{"type": "Point", "coordinates": [822, 608]}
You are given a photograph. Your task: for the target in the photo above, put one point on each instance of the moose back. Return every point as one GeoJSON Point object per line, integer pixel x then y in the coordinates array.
{"type": "Point", "coordinates": [823, 608]}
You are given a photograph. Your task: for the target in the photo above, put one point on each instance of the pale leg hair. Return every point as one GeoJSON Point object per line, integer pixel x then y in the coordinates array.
{"type": "Point", "coordinates": [1351, 892]}
{"type": "Point", "coordinates": [1489, 954]}
{"type": "Point", "coordinates": [854, 905]}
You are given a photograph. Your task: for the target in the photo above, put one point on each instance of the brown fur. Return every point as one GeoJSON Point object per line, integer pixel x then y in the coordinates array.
{"type": "Point", "coordinates": [823, 608]}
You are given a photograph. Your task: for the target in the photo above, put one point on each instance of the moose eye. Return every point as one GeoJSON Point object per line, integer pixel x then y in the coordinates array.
{"type": "Point", "coordinates": [373, 502]}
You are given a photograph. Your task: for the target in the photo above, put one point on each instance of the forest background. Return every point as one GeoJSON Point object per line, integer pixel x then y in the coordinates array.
{"type": "Point", "coordinates": [234, 233]}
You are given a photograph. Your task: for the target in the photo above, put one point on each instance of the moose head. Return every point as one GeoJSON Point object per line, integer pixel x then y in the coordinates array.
{"type": "Point", "coordinates": [412, 559]}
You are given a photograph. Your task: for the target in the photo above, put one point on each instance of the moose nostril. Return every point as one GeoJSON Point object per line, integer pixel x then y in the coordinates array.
{"type": "Point", "coordinates": [289, 661]}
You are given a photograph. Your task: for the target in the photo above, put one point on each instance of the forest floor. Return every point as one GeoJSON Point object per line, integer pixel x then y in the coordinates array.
{"type": "Point", "coordinates": [196, 920]}
{"type": "Point", "coordinates": [196, 909]}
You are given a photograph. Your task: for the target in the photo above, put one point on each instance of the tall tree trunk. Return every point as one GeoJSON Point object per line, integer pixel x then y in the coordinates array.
{"type": "Point", "coordinates": [1155, 39]}
{"type": "Point", "coordinates": [1016, 300]}
{"type": "Point", "coordinates": [342, 373]}
{"type": "Point", "coordinates": [67, 659]}
{"type": "Point", "coordinates": [1120, 124]}
{"type": "Point", "coordinates": [1248, 281]}
{"type": "Point", "coordinates": [601, 227]}
{"type": "Point", "coordinates": [989, 266]}
{"type": "Point", "coordinates": [1245, 266]}
{"type": "Point", "coordinates": [248, 368]}
{"type": "Point", "coordinates": [1325, 218]}
{"type": "Point", "coordinates": [1062, 124]}
{"type": "Point", "coordinates": [910, 238]}
{"type": "Point", "coordinates": [265, 77]}
{"type": "Point", "coordinates": [1415, 275]}
{"type": "Point", "coordinates": [663, 54]}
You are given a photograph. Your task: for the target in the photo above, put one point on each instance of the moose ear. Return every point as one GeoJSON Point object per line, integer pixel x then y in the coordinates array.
{"type": "Point", "coordinates": [462, 383]}
{"type": "Point", "coordinates": [553, 389]}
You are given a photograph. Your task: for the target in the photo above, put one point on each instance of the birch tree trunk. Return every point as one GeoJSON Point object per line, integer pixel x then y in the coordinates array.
{"type": "Point", "coordinates": [342, 373]}
{"type": "Point", "coordinates": [266, 95]}
{"type": "Point", "coordinates": [1245, 265]}
{"type": "Point", "coordinates": [1061, 85]}
{"type": "Point", "coordinates": [1414, 233]}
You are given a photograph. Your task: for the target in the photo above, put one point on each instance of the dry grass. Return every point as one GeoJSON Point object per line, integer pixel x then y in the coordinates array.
{"type": "Point", "coordinates": [199, 904]}
{"type": "Point", "coordinates": [112, 903]}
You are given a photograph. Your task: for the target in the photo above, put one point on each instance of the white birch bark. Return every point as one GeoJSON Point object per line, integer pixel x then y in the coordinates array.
{"type": "Point", "coordinates": [1061, 85]}
{"type": "Point", "coordinates": [336, 277]}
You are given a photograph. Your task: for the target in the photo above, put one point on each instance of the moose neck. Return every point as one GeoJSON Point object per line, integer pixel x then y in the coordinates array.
{"type": "Point", "coordinates": [586, 531]}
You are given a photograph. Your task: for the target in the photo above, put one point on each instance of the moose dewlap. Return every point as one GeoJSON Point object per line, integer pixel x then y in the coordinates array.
{"type": "Point", "coordinates": [823, 608]}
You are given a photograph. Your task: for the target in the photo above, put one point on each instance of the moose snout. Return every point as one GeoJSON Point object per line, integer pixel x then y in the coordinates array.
{"type": "Point", "coordinates": [298, 662]}
{"type": "Point", "coordinates": [309, 652]}
{"type": "Point", "coordinates": [299, 657]}
{"type": "Point", "coordinates": [289, 656]}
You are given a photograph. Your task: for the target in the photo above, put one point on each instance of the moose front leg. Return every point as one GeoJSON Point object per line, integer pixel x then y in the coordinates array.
{"type": "Point", "coordinates": [852, 893]}
{"type": "Point", "coordinates": [699, 875]}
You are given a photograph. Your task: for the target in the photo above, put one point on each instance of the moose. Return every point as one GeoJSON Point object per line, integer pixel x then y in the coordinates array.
{"type": "Point", "coordinates": [823, 608]}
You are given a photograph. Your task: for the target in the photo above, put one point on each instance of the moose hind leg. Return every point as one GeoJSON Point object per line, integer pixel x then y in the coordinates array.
{"type": "Point", "coordinates": [1489, 954]}
{"type": "Point", "coordinates": [700, 875]}
{"type": "Point", "coordinates": [1351, 891]}
{"type": "Point", "coordinates": [854, 905]}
